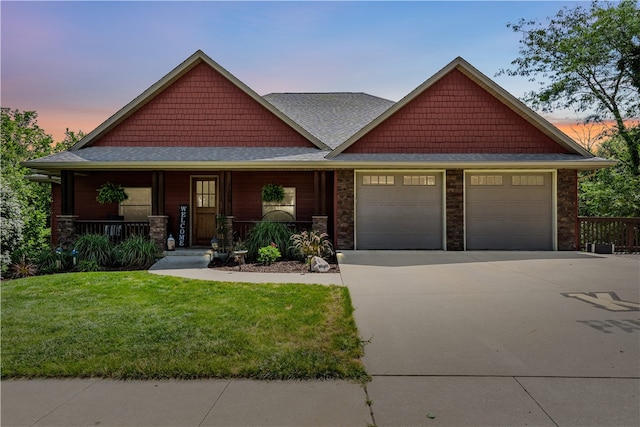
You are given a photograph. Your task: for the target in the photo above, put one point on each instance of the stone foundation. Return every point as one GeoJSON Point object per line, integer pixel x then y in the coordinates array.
{"type": "Point", "coordinates": [567, 210]}
{"type": "Point", "coordinates": [320, 223]}
{"type": "Point", "coordinates": [455, 209]}
{"type": "Point", "coordinates": [66, 230]}
{"type": "Point", "coordinates": [345, 209]}
{"type": "Point", "coordinates": [158, 230]}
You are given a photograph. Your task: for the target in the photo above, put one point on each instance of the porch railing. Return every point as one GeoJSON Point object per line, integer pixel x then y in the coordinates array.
{"type": "Point", "coordinates": [241, 229]}
{"type": "Point", "coordinates": [624, 233]}
{"type": "Point", "coordinates": [116, 230]}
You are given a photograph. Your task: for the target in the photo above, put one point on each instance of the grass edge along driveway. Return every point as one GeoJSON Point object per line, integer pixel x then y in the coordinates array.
{"type": "Point", "coordinates": [135, 325]}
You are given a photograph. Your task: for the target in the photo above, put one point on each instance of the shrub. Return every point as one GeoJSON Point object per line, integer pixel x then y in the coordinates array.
{"type": "Point", "coordinates": [310, 243]}
{"type": "Point", "coordinates": [136, 252]}
{"type": "Point", "coordinates": [268, 254]}
{"type": "Point", "coordinates": [87, 266]}
{"type": "Point", "coordinates": [49, 261]}
{"type": "Point", "coordinates": [95, 247]}
{"type": "Point", "coordinates": [11, 231]}
{"type": "Point", "coordinates": [264, 233]}
{"type": "Point", "coordinates": [24, 268]}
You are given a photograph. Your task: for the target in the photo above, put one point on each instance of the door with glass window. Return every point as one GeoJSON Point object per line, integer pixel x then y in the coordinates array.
{"type": "Point", "coordinates": [205, 209]}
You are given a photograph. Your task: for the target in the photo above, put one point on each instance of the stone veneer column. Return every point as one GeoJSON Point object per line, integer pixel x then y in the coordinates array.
{"type": "Point", "coordinates": [158, 230]}
{"type": "Point", "coordinates": [344, 209]}
{"type": "Point", "coordinates": [567, 198]}
{"type": "Point", "coordinates": [319, 223]}
{"type": "Point", "coordinates": [455, 209]}
{"type": "Point", "coordinates": [230, 230]}
{"type": "Point", "coordinates": [66, 230]}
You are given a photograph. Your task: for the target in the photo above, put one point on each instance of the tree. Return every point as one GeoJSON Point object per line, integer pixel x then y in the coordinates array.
{"type": "Point", "coordinates": [23, 139]}
{"type": "Point", "coordinates": [589, 60]}
{"type": "Point", "coordinates": [612, 191]}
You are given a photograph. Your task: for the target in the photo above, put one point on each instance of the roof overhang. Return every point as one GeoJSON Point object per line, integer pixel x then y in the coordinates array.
{"type": "Point", "coordinates": [54, 169]}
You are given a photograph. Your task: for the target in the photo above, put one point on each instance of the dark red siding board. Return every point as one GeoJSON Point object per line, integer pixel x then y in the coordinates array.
{"type": "Point", "coordinates": [455, 115]}
{"type": "Point", "coordinates": [177, 191]}
{"type": "Point", "coordinates": [203, 109]}
{"type": "Point", "coordinates": [86, 206]}
{"type": "Point", "coordinates": [247, 193]}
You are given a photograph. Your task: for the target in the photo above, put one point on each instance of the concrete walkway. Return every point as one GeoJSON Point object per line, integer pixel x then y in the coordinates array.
{"type": "Point", "coordinates": [454, 339]}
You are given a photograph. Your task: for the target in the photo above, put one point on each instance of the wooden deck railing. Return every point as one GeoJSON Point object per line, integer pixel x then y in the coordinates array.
{"type": "Point", "coordinates": [624, 233]}
{"type": "Point", "coordinates": [116, 230]}
{"type": "Point", "coordinates": [241, 229]}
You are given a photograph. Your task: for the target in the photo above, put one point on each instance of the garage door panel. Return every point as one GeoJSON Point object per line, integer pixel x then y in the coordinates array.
{"type": "Point", "coordinates": [509, 216]}
{"type": "Point", "coordinates": [399, 216]}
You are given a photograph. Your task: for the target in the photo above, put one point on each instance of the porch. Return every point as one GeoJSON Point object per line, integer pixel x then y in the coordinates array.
{"type": "Point", "coordinates": [187, 204]}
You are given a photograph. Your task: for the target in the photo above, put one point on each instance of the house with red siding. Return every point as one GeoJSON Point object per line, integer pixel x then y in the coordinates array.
{"type": "Point", "coordinates": [457, 164]}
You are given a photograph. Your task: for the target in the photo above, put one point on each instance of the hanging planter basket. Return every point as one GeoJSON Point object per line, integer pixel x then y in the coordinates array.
{"type": "Point", "coordinates": [111, 193]}
{"type": "Point", "coordinates": [272, 193]}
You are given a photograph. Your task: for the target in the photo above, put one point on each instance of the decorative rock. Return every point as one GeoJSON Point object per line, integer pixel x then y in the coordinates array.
{"type": "Point", "coordinates": [319, 265]}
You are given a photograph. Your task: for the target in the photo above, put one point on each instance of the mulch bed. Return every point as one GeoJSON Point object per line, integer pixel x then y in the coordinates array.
{"type": "Point", "coordinates": [276, 267]}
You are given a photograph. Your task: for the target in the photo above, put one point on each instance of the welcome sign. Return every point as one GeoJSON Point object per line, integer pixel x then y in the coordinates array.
{"type": "Point", "coordinates": [183, 225]}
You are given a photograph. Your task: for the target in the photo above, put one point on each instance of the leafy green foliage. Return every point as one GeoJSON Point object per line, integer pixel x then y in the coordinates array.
{"type": "Point", "coordinates": [272, 193]}
{"type": "Point", "coordinates": [49, 261]}
{"type": "Point", "coordinates": [612, 192]}
{"type": "Point", "coordinates": [136, 252]}
{"type": "Point", "coordinates": [12, 225]}
{"type": "Point", "coordinates": [87, 266]}
{"type": "Point", "coordinates": [269, 254]}
{"type": "Point", "coordinates": [310, 243]}
{"type": "Point", "coordinates": [23, 139]}
{"type": "Point", "coordinates": [590, 62]}
{"type": "Point", "coordinates": [111, 193]}
{"type": "Point", "coordinates": [264, 233]}
{"type": "Point", "coordinates": [95, 247]}
{"type": "Point", "coordinates": [137, 325]}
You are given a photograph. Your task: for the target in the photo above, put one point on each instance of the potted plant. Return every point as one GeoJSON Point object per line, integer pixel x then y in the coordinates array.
{"type": "Point", "coordinates": [272, 193]}
{"type": "Point", "coordinates": [112, 193]}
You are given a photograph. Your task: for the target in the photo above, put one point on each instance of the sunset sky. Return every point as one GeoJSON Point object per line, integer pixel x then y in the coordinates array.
{"type": "Point", "coordinates": [77, 63]}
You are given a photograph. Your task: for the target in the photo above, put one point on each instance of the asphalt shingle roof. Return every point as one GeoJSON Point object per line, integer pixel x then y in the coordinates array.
{"type": "Point", "coordinates": [330, 117]}
{"type": "Point", "coordinates": [186, 154]}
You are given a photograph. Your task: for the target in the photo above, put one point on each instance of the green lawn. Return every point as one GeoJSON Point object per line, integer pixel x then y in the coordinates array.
{"type": "Point", "coordinates": [139, 325]}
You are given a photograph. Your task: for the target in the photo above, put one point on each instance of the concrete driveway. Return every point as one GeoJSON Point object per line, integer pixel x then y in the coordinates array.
{"type": "Point", "coordinates": [498, 338]}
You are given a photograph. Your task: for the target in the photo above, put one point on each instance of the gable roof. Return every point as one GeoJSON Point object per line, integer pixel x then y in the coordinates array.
{"type": "Point", "coordinates": [487, 84]}
{"type": "Point", "coordinates": [331, 117]}
{"type": "Point", "coordinates": [158, 87]}
{"type": "Point", "coordinates": [327, 120]}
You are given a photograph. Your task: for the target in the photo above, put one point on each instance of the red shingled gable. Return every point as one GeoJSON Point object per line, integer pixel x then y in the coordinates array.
{"type": "Point", "coordinates": [455, 115]}
{"type": "Point", "coordinates": [203, 109]}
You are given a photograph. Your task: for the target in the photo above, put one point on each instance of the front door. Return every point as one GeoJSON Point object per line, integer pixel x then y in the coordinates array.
{"type": "Point", "coordinates": [205, 209]}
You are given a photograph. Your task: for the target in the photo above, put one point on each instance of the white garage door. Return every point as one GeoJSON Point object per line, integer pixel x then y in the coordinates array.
{"type": "Point", "coordinates": [509, 211]}
{"type": "Point", "coordinates": [398, 210]}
